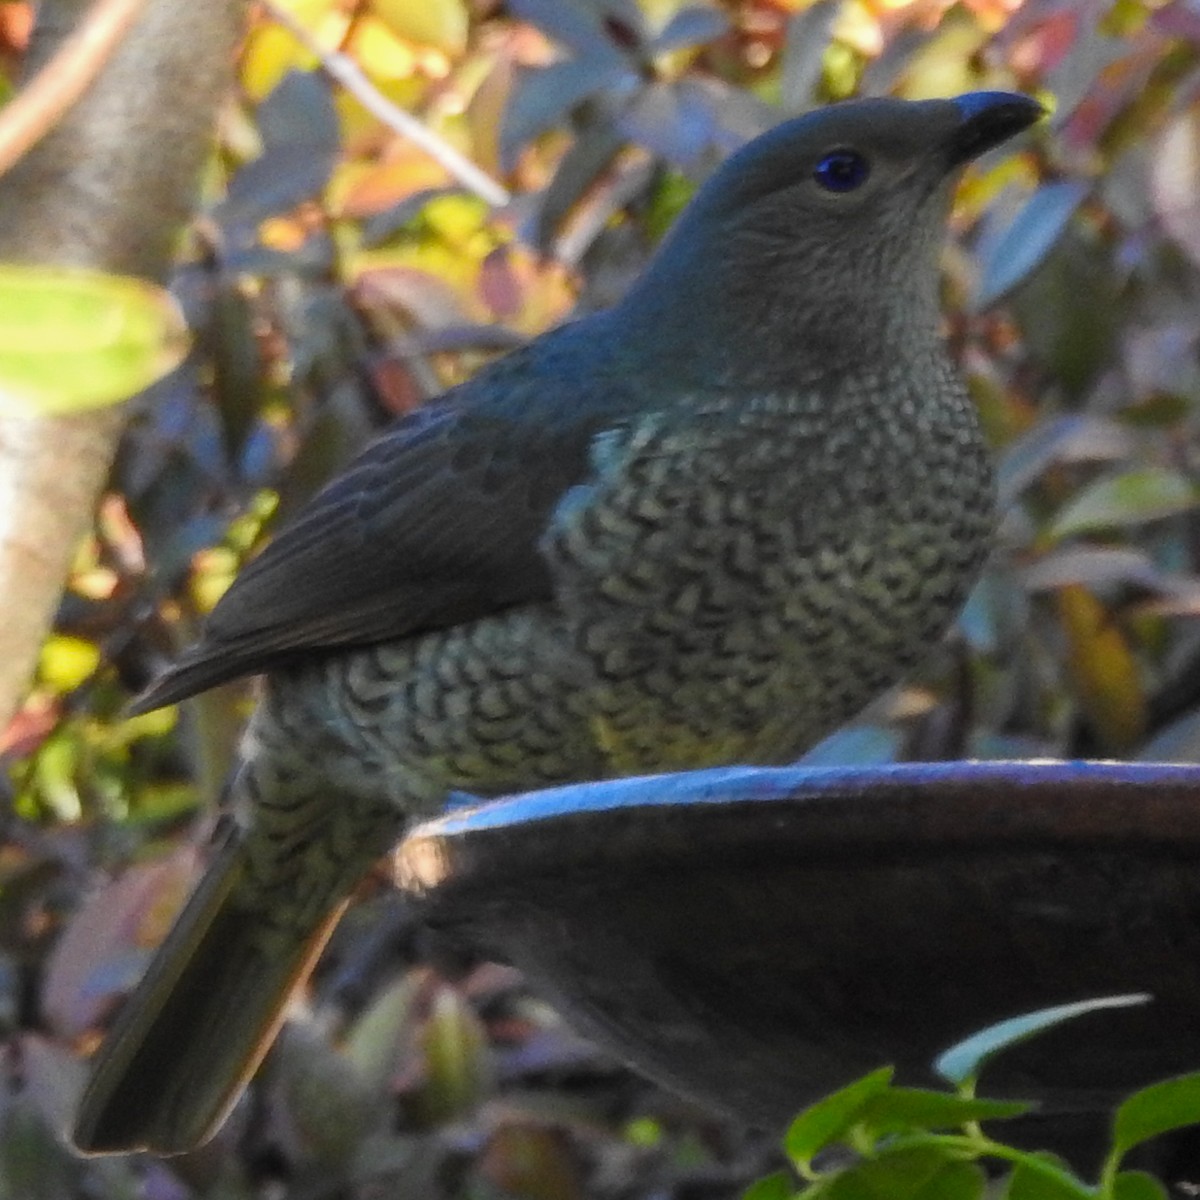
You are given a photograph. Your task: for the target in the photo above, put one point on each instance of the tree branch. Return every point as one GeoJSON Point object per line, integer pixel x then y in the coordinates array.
{"type": "Point", "coordinates": [108, 187]}
{"type": "Point", "coordinates": [344, 70]}
{"type": "Point", "coordinates": [61, 82]}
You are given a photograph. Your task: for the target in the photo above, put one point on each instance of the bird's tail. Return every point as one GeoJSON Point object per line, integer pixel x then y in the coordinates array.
{"type": "Point", "coordinates": [198, 1024]}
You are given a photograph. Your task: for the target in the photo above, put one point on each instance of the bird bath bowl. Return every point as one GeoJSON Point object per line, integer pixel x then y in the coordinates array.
{"type": "Point", "coordinates": [754, 938]}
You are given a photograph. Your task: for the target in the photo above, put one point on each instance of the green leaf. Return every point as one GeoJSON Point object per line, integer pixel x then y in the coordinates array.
{"type": "Point", "coordinates": [72, 340]}
{"type": "Point", "coordinates": [1069, 311]}
{"type": "Point", "coordinates": [644, 1132]}
{"type": "Point", "coordinates": [1130, 498]}
{"type": "Point", "coordinates": [329, 1105]}
{"type": "Point", "coordinates": [375, 1038]}
{"type": "Point", "coordinates": [962, 1063]}
{"type": "Point", "coordinates": [955, 1181]}
{"type": "Point", "coordinates": [1172, 1104]}
{"type": "Point", "coordinates": [909, 1108]}
{"type": "Point", "coordinates": [779, 1186]}
{"type": "Point", "coordinates": [904, 1173]}
{"type": "Point", "coordinates": [1041, 1177]}
{"type": "Point", "coordinates": [33, 1162]}
{"type": "Point", "coordinates": [1137, 1185]}
{"type": "Point", "coordinates": [825, 1121]}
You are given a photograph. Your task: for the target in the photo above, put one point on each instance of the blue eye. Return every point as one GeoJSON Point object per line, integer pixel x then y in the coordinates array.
{"type": "Point", "coordinates": [842, 171]}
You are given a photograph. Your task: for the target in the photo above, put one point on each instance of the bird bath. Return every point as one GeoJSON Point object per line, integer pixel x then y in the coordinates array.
{"type": "Point", "coordinates": [753, 938]}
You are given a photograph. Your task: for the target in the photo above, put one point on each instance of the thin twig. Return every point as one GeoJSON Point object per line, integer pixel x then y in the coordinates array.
{"type": "Point", "coordinates": [347, 72]}
{"type": "Point", "coordinates": [38, 107]}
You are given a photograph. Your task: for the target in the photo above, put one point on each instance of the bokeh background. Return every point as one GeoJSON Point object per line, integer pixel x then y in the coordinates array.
{"type": "Point", "coordinates": [340, 273]}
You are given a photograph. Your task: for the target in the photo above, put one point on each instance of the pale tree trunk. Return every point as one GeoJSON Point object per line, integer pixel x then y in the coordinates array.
{"type": "Point", "coordinates": [108, 188]}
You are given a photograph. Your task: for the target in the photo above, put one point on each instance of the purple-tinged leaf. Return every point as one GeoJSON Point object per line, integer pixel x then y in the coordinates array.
{"type": "Point", "coordinates": [590, 156]}
{"type": "Point", "coordinates": [300, 112]}
{"type": "Point", "coordinates": [467, 335]}
{"type": "Point", "coordinates": [672, 124]}
{"type": "Point", "coordinates": [1027, 241]}
{"type": "Point", "coordinates": [1180, 598]}
{"type": "Point", "coordinates": [300, 132]}
{"type": "Point", "coordinates": [1077, 72]}
{"type": "Point", "coordinates": [1178, 20]}
{"type": "Point", "coordinates": [1162, 359]}
{"type": "Point", "coordinates": [1071, 438]}
{"type": "Point", "coordinates": [803, 60]}
{"type": "Point", "coordinates": [53, 1080]}
{"type": "Point", "coordinates": [690, 27]}
{"type": "Point", "coordinates": [1178, 742]}
{"type": "Point", "coordinates": [737, 115]}
{"type": "Point", "coordinates": [1175, 181]}
{"type": "Point", "coordinates": [282, 178]}
{"type": "Point", "coordinates": [545, 96]}
{"type": "Point", "coordinates": [630, 180]}
{"type": "Point", "coordinates": [1094, 567]}
{"type": "Point", "coordinates": [576, 24]}
{"type": "Point", "coordinates": [996, 611]}
{"type": "Point", "coordinates": [883, 74]}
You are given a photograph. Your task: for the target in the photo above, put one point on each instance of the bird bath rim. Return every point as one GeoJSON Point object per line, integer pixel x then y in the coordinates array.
{"type": "Point", "coordinates": [915, 804]}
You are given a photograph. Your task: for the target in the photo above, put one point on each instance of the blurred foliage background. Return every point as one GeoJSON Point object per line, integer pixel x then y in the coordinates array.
{"type": "Point", "coordinates": [341, 273]}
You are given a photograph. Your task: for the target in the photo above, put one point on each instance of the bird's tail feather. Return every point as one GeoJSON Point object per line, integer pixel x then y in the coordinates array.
{"type": "Point", "coordinates": [198, 1024]}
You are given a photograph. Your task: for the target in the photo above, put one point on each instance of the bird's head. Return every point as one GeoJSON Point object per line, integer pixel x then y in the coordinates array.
{"type": "Point", "coordinates": [827, 229]}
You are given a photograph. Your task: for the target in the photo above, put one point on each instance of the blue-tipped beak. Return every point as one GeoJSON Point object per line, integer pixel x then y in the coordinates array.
{"type": "Point", "coordinates": [989, 118]}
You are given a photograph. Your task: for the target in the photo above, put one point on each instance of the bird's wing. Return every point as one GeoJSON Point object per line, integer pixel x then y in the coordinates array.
{"type": "Point", "coordinates": [435, 524]}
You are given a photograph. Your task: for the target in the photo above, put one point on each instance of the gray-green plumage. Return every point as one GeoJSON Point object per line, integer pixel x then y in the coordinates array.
{"type": "Point", "coordinates": [704, 527]}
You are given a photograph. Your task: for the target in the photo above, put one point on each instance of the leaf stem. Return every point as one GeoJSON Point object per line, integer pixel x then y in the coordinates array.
{"type": "Point", "coordinates": [342, 68]}
{"type": "Point", "coordinates": [979, 1145]}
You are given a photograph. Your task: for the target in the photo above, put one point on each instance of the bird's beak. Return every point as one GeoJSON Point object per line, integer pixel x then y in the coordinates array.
{"type": "Point", "coordinates": [986, 120]}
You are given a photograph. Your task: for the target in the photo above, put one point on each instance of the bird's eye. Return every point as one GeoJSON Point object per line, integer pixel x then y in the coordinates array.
{"type": "Point", "coordinates": [842, 171]}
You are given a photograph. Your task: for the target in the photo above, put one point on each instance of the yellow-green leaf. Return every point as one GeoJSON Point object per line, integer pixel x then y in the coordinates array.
{"type": "Point", "coordinates": [1129, 498]}
{"type": "Point", "coordinates": [374, 1040]}
{"type": "Point", "coordinates": [66, 662]}
{"type": "Point", "coordinates": [73, 339]}
{"type": "Point", "coordinates": [1103, 669]}
{"type": "Point", "coordinates": [440, 23]}
{"type": "Point", "coordinates": [456, 1058]}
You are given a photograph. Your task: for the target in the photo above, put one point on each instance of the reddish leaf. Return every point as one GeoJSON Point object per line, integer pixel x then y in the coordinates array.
{"type": "Point", "coordinates": [30, 727]}
{"type": "Point", "coordinates": [531, 1162]}
{"type": "Point", "coordinates": [103, 948]}
{"type": "Point", "coordinates": [1047, 44]}
{"type": "Point", "coordinates": [498, 284]}
{"type": "Point", "coordinates": [1174, 179]}
{"type": "Point", "coordinates": [394, 384]}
